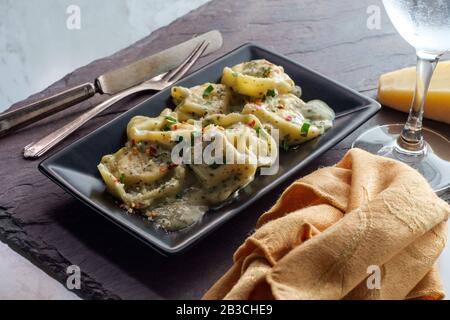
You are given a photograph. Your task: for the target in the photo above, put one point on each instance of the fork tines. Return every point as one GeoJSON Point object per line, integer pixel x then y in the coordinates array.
{"type": "Point", "coordinates": [177, 73]}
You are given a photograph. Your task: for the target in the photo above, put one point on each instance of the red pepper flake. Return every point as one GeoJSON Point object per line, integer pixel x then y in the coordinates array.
{"type": "Point", "coordinates": [133, 142]}
{"type": "Point", "coordinates": [289, 118]}
{"type": "Point", "coordinates": [252, 123]}
{"type": "Point", "coordinates": [138, 205]}
{"type": "Point", "coordinates": [174, 127]}
{"type": "Point", "coordinates": [163, 169]}
{"type": "Point", "coordinates": [172, 166]}
{"type": "Point", "coordinates": [151, 151]}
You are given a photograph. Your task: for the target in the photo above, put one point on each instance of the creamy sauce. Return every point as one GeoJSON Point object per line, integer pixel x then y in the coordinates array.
{"type": "Point", "coordinates": [175, 213]}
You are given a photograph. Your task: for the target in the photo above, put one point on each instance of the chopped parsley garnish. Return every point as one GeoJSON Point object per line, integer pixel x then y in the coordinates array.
{"type": "Point", "coordinates": [266, 72]}
{"type": "Point", "coordinates": [271, 93]}
{"type": "Point", "coordinates": [208, 91]}
{"type": "Point", "coordinates": [305, 129]}
{"type": "Point", "coordinates": [179, 139]}
{"type": "Point", "coordinates": [285, 145]}
{"type": "Point", "coordinates": [171, 119]}
{"type": "Point", "coordinates": [122, 178]}
{"type": "Point", "coordinates": [258, 130]}
{"type": "Point", "coordinates": [167, 128]}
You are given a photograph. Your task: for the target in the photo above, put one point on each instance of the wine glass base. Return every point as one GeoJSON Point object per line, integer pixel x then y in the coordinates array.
{"type": "Point", "coordinates": [433, 163]}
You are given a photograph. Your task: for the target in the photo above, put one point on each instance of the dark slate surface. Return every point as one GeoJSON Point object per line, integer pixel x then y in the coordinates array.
{"type": "Point", "coordinates": [53, 230]}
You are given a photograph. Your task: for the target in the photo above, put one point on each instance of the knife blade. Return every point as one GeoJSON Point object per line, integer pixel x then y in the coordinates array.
{"type": "Point", "coordinates": [109, 83]}
{"type": "Point", "coordinates": [135, 73]}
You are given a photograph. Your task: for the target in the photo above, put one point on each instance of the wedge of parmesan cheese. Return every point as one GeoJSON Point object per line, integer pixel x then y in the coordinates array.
{"type": "Point", "coordinates": [396, 90]}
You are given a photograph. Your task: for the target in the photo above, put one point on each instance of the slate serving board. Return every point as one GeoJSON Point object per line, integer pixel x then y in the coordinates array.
{"type": "Point", "coordinates": [53, 230]}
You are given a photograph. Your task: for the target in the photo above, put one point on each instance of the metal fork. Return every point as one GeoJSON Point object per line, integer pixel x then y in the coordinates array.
{"type": "Point", "coordinates": [39, 148]}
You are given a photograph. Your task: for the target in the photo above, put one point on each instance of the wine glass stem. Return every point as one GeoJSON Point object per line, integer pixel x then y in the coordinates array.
{"type": "Point", "coordinates": [411, 138]}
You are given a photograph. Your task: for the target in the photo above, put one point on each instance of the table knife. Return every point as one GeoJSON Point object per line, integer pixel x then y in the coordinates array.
{"type": "Point", "coordinates": [109, 83]}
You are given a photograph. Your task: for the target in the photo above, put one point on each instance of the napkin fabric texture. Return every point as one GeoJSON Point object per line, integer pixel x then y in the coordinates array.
{"type": "Point", "coordinates": [330, 230]}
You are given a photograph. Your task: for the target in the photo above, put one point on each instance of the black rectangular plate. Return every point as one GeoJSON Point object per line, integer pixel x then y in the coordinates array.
{"type": "Point", "coordinates": [75, 167]}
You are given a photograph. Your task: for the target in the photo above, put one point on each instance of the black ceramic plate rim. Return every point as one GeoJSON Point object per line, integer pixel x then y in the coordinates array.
{"type": "Point", "coordinates": [370, 107]}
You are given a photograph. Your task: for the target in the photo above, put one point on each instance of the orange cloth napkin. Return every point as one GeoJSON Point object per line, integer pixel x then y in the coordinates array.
{"type": "Point", "coordinates": [330, 230]}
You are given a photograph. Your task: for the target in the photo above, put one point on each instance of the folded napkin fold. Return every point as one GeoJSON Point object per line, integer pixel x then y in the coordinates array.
{"type": "Point", "coordinates": [336, 229]}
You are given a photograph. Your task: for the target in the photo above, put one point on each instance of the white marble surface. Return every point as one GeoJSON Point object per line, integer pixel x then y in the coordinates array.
{"type": "Point", "coordinates": [37, 48]}
{"type": "Point", "coordinates": [20, 279]}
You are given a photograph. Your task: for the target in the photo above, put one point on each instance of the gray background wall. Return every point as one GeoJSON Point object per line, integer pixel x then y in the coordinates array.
{"type": "Point", "coordinates": [37, 48]}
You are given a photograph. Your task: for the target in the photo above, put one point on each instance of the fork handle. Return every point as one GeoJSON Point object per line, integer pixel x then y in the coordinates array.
{"type": "Point", "coordinates": [25, 115]}
{"type": "Point", "coordinates": [39, 148]}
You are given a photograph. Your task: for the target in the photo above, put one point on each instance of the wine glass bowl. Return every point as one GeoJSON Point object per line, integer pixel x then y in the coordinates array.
{"type": "Point", "coordinates": [425, 24]}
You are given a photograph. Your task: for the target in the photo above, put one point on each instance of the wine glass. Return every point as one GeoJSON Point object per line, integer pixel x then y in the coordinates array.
{"type": "Point", "coordinates": [425, 24]}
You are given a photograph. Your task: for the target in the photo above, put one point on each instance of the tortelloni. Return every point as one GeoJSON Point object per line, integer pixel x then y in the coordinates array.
{"type": "Point", "coordinates": [158, 130]}
{"type": "Point", "coordinates": [296, 120]}
{"type": "Point", "coordinates": [240, 145]}
{"type": "Point", "coordinates": [245, 134]}
{"type": "Point", "coordinates": [231, 123]}
{"type": "Point", "coordinates": [255, 78]}
{"type": "Point", "coordinates": [140, 175]}
{"type": "Point", "coordinates": [201, 101]}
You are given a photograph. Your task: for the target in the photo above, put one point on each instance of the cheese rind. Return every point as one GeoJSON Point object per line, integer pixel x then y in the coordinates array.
{"type": "Point", "coordinates": [396, 90]}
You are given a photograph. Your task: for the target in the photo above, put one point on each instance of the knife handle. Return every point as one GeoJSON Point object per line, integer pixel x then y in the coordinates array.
{"type": "Point", "coordinates": [36, 111]}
